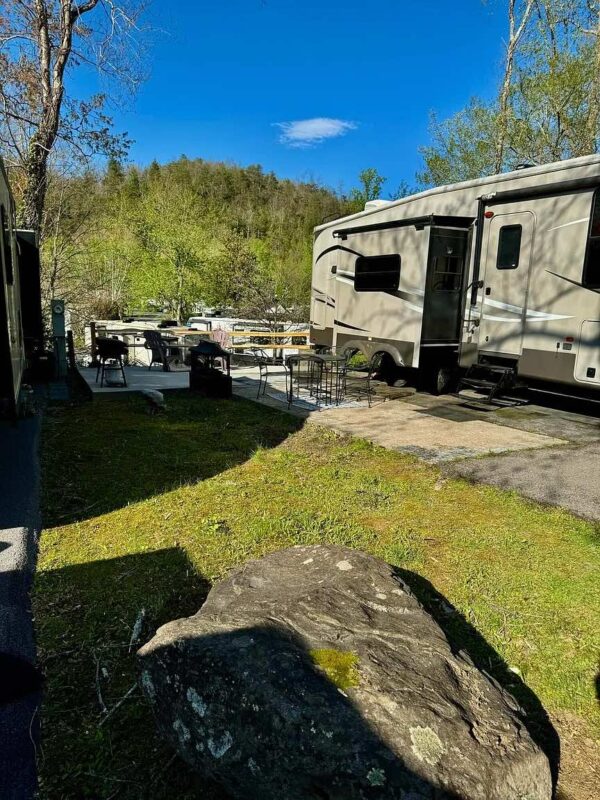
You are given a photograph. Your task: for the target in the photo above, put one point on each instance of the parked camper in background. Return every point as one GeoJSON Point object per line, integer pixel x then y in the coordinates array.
{"type": "Point", "coordinates": [496, 279]}
{"type": "Point", "coordinates": [21, 328]}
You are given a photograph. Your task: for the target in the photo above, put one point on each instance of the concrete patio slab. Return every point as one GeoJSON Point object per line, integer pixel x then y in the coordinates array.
{"type": "Point", "coordinates": [138, 379]}
{"type": "Point", "coordinates": [555, 421]}
{"type": "Point", "coordinates": [444, 433]}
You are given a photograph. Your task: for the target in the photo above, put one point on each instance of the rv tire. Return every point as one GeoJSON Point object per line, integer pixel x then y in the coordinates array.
{"type": "Point", "coordinates": [441, 380]}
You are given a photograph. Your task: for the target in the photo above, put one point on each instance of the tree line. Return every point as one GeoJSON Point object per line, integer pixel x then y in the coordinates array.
{"type": "Point", "coordinates": [170, 236]}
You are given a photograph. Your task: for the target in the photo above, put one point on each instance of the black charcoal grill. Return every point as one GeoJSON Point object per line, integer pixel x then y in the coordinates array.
{"type": "Point", "coordinates": [210, 369]}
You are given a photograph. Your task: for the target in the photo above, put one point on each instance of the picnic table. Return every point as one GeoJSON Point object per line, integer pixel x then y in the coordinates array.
{"type": "Point", "coordinates": [277, 341]}
{"type": "Point", "coordinates": [271, 334]}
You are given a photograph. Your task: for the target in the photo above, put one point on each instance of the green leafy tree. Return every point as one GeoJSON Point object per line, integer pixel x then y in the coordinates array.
{"type": "Point", "coordinates": [462, 148]}
{"type": "Point", "coordinates": [548, 105]}
{"type": "Point", "coordinates": [170, 247]}
{"type": "Point", "coordinates": [371, 184]}
{"type": "Point", "coordinates": [402, 190]}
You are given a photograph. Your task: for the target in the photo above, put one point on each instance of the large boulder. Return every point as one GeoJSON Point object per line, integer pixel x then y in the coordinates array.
{"type": "Point", "coordinates": [315, 673]}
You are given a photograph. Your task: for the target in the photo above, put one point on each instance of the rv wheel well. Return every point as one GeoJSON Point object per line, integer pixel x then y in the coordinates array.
{"type": "Point", "coordinates": [388, 370]}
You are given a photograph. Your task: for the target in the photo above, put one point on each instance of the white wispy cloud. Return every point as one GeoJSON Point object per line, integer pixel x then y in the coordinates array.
{"type": "Point", "coordinates": [310, 132]}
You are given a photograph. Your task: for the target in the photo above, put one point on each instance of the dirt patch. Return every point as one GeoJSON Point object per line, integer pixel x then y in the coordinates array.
{"type": "Point", "coordinates": [580, 760]}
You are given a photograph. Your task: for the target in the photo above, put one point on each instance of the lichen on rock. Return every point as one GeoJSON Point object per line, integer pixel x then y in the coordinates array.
{"type": "Point", "coordinates": [426, 744]}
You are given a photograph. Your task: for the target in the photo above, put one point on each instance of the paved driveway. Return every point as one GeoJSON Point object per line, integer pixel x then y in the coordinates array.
{"type": "Point", "coordinates": [562, 476]}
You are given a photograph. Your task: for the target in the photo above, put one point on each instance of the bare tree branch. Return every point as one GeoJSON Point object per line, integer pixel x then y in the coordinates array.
{"type": "Point", "coordinates": [40, 40]}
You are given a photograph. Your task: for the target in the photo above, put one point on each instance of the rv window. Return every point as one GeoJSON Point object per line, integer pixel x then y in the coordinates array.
{"type": "Point", "coordinates": [377, 273]}
{"type": "Point", "coordinates": [509, 247]}
{"type": "Point", "coordinates": [591, 269]}
{"type": "Point", "coordinates": [6, 251]}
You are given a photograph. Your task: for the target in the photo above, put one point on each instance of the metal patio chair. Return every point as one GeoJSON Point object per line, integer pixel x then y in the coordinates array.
{"type": "Point", "coordinates": [306, 372]}
{"type": "Point", "coordinates": [264, 361]}
{"type": "Point", "coordinates": [358, 382]}
{"type": "Point", "coordinates": [161, 352]}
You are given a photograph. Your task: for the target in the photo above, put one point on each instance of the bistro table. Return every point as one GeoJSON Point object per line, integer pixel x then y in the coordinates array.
{"type": "Point", "coordinates": [321, 374]}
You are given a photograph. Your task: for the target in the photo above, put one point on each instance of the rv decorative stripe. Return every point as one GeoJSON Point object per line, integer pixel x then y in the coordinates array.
{"type": "Point", "coordinates": [350, 327]}
{"type": "Point", "coordinates": [334, 248]}
{"type": "Point", "coordinates": [412, 299]}
{"type": "Point", "coordinates": [575, 283]}
{"type": "Point", "coordinates": [518, 311]}
{"type": "Point", "coordinates": [325, 302]}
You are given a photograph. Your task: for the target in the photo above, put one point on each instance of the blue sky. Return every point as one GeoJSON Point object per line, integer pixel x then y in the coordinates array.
{"type": "Point", "coordinates": [227, 80]}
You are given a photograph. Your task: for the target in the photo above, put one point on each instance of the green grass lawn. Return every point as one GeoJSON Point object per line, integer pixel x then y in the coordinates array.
{"type": "Point", "coordinates": [146, 512]}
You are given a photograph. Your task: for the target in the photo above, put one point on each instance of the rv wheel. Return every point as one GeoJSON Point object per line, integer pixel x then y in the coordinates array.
{"type": "Point", "coordinates": [441, 380]}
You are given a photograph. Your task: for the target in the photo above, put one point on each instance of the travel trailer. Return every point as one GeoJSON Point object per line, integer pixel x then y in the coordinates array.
{"type": "Point", "coordinates": [21, 328]}
{"type": "Point", "coordinates": [12, 345]}
{"type": "Point", "coordinates": [494, 281]}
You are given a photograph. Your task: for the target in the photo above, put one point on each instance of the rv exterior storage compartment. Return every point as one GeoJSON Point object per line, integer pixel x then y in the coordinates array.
{"type": "Point", "coordinates": [587, 366]}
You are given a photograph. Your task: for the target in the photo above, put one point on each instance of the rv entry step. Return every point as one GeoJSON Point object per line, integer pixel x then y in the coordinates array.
{"type": "Point", "coordinates": [488, 385]}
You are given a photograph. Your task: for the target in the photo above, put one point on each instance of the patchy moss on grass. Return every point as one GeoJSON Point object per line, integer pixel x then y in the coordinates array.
{"type": "Point", "coordinates": [339, 666]}
{"type": "Point", "coordinates": [146, 512]}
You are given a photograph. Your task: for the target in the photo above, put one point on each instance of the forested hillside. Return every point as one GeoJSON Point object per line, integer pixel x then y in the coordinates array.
{"type": "Point", "coordinates": [170, 236]}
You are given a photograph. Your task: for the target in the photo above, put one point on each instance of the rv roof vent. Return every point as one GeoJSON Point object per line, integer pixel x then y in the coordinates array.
{"type": "Point", "coordinates": [371, 204]}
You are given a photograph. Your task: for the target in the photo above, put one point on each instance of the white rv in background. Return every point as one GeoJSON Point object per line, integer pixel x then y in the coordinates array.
{"type": "Point", "coordinates": [497, 279]}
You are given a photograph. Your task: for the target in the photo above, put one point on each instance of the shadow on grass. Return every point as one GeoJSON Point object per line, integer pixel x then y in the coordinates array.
{"type": "Point", "coordinates": [463, 636]}
{"type": "Point", "coordinates": [101, 456]}
{"type": "Point", "coordinates": [98, 736]}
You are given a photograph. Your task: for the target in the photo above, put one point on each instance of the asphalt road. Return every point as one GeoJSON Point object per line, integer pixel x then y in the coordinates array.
{"type": "Point", "coordinates": [19, 679]}
{"type": "Point", "coordinates": [567, 476]}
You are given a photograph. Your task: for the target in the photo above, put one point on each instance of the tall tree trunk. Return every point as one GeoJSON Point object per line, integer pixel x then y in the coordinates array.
{"type": "Point", "coordinates": [516, 31]}
{"type": "Point", "coordinates": [593, 121]}
{"type": "Point", "coordinates": [34, 195]}
{"type": "Point", "coordinates": [52, 63]}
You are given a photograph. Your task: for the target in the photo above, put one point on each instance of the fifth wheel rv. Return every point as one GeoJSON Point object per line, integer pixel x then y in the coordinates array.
{"type": "Point", "coordinates": [496, 279]}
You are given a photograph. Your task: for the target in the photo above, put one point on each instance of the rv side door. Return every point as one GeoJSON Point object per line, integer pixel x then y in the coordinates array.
{"type": "Point", "coordinates": [503, 299]}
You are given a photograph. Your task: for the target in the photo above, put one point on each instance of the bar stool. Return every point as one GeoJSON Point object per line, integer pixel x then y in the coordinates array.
{"type": "Point", "coordinates": [111, 350]}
